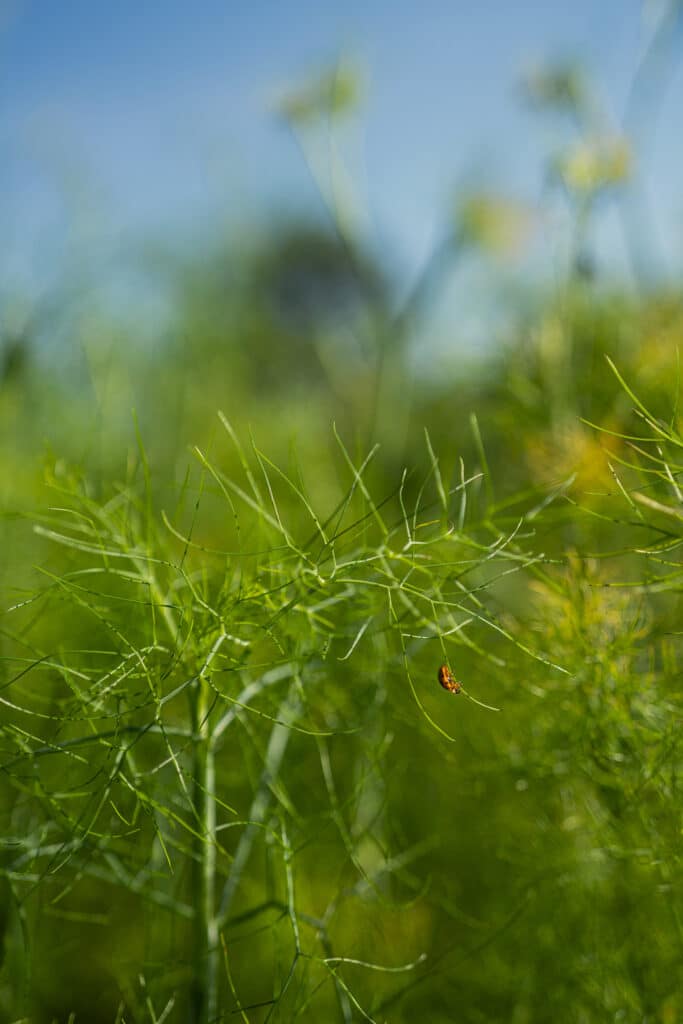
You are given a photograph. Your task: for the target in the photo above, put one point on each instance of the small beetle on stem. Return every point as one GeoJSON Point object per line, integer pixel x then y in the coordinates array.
{"type": "Point", "coordinates": [448, 680]}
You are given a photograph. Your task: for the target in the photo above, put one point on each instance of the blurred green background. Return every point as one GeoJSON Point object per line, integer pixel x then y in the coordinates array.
{"type": "Point", "coordinates": [446, 238]}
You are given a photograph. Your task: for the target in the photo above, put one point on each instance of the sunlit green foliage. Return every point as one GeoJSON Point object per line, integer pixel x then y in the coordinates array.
{"type": "Point", "coordinates": [231, 784]}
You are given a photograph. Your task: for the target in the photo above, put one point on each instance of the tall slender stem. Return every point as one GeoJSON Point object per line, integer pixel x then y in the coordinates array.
{"type": "Point", "coordinates": [204, 999]}
{"type": "Point", "coordinates": [204, 1003]}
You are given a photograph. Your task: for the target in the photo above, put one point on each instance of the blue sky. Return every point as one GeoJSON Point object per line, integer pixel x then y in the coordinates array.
{"type": "Point", "coordinates": [121, 120]}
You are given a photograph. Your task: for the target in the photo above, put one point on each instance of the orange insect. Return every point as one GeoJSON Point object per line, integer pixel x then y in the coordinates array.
{"type": "Point", "coordinates": [448, 680]}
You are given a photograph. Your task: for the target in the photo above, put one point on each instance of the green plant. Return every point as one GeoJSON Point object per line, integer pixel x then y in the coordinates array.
{"type": "Point", "coordinates": [195, 692]}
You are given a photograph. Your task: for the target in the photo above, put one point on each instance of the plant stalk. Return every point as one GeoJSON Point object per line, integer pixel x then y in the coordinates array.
{"type": "Point", "coordinates": [206, 940]}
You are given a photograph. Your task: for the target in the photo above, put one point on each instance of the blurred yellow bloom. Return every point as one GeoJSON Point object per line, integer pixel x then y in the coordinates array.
{"type": "Point", "coordinates": [573, 449]}
{"type": "Point", "coordinates": [493, 223]}
{"type": "Point", "coordinates": [596, 163]}
{"type": "Point", "coordinates": [332, 93]}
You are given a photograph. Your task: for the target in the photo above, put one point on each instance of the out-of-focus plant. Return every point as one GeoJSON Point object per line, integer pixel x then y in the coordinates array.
{"type": "Point", "coordinates": [560, 87]}
{"type": "Point", "coordinates": [594, 165]}
{"type": "Point", "coordinates": [496, 225]}
{"type": "Point", "coordinates": [334, 92]}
